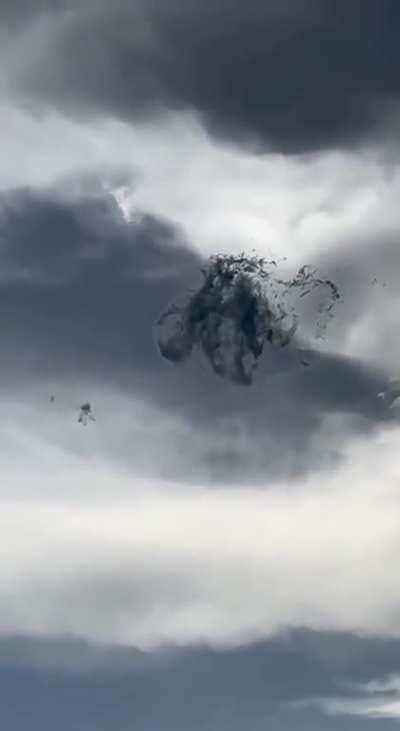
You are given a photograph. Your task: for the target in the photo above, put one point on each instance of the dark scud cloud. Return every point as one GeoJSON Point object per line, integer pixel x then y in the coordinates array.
{"type": "Point", "coordinates": [65, 683]}
{"type": "Point", "coordinates": [79, 295]}
{"type": "Point", "coordinates": [240, 307]}
{"type": "Point", "coordinates": [293, 76]}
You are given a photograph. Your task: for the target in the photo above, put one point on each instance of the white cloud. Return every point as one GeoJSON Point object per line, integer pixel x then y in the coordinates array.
{"type": "Point", "coordinates": [376, 699]}
{"type": "Point", "coordinates": [222, 196]}
{"type": "Point", "coordinates": [146, 562]}
{"type": "Point", "coordinates": [225, 199]}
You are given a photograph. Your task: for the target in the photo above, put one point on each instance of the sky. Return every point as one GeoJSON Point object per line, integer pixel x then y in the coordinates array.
{"type": "Point", "coordinates": [205, 555]}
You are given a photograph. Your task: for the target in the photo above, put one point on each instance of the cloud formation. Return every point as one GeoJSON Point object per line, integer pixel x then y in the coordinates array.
{"type": "Point", "coordinates": [285, 79]}
{"type": "Point", "coordinates": [198, 521]}
{"type": "Point", "coordinates": [241, 306]}
{"type": "Point", "coordinates": [67, 682]}
{"type": "Point", "coordinates": [81, 290]}
{"type": "Point", "coordinates": [149, 563]}
{"type": "Point", "coordinates": [375, 699]}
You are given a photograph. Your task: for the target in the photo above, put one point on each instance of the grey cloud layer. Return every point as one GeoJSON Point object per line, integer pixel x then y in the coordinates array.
{"type": "Point", "coordinates": [68, 684]}
{"type": "Point", "coordinates": [304, 76]}
{"type": "Point", "coordinates": [81, 291]}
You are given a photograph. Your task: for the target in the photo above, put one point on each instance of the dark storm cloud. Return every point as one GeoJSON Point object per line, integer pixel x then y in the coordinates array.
{"type": "Point", "coordinates": [114, 688]}
{"type": "Point", "coordinates": [50, 240]}
{"type": "Point", "coordinates": [80, 292]}
{"type": "Point", "coordinates": [293, 76]}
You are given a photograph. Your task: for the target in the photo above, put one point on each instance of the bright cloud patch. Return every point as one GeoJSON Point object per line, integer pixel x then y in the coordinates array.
{"type": "Point", "coordinates": [177, 564]}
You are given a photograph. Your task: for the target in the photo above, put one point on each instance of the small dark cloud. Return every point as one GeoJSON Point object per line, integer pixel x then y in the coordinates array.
{"type": "Point", "coordinates": [240, 307]}
{"type": "Point", "coordinates": [295, 76]}
{"type": "Point", "coordinates": [86, 414]}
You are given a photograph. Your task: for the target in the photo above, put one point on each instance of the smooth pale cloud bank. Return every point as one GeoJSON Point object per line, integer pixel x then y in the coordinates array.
{"type": "Point", "coordinates": [173, 563]}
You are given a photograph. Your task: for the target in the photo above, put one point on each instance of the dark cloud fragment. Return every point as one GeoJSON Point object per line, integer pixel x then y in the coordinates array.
{"type": "Point", "coordinates": [85, 414]}
{"type": "Point", "coordinates": [241, 305]}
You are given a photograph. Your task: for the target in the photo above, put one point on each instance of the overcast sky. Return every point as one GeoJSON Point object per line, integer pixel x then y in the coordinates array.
{"type": "Point", "coordinates": [204, 556]}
